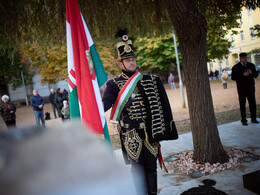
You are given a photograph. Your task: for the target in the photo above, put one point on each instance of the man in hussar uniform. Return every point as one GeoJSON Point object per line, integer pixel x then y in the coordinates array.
{"type": "Point", "coordinates": [141, 107]}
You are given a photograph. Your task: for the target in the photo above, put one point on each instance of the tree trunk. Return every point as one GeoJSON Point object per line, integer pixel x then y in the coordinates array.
{"type": "Point", "coordinates": [191, 29]}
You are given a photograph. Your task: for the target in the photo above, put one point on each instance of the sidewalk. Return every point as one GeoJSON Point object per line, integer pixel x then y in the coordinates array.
{"type": "Point", "coordinates": [232, 134]}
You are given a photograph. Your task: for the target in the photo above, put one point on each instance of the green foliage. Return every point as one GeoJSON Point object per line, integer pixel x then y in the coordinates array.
{"type": "Point", "coordinates": [219, 27]}
{"type": "Point", "coordinates": [256, 50]}
{"type": "Point", "coordinates": [44, 21]}
{"type": "Point", "coordinates": [108, 59]}
{"type": "Point", "coordinates": [11, 67]}
{"type": "Point", "coordinates": [49, 62]}
{"type": "Point", "coordinates": [257, 30]}
{"type": "Point", "coordinates": [37, 30]}
{"type": "Point", "coordinates": [156, 54]}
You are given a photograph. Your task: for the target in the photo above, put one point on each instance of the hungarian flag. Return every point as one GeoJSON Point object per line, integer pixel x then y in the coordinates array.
{"type": "Point", "coordinates": [86, 72]}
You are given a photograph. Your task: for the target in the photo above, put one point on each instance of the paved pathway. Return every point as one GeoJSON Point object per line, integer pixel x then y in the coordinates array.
{"type": "Point", "coordinates": [232, 134]}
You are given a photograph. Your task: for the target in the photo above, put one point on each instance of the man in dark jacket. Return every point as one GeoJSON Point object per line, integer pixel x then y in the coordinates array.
{"type": "Point", "coordinates": [244, 73]}
{"type": "Point", "coordinates": [58, 101]}
{"type": "Point", "coordinates": [141, 107]}
{"type": "Point", "coordinates": [52, 99]}
{"type": "Point", "coordinates": [37, 104]}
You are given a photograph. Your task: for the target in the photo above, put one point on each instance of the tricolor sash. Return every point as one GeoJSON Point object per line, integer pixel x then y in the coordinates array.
{"type": "Point", "coordinates": [124, 94]}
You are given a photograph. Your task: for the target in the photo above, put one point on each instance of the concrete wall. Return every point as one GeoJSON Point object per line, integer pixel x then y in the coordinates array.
{"type": "Point", "coordinates": [19, 94]}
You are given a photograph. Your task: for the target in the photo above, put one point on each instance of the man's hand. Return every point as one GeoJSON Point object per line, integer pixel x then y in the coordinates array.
{"type": "Point", "coordinates": [11, 111]}
{"type": "Point", "coordinates": [249, 71]}
{"type": "Point", "coordinates": [246, 73]}
{"type": "Point", "coordinates": [40, 106]}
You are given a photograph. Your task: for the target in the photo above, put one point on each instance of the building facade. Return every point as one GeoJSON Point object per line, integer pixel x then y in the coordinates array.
{"type": "Point", "coordinates": [244, 41]}
{"type": "Point", "coordinates": [20, 94]}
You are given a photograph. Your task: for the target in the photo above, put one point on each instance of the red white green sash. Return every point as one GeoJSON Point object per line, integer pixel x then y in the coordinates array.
{"type": "Point", "coordinates": [123, 95]}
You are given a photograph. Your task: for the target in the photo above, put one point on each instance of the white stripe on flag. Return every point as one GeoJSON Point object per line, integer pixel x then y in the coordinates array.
{"type": "Point", "coordinates": [69, 49]}
{"type": "Point", "coordinates": [73, 80]}
{"type": "Point", "coordinates": [80, 111]}
{"type": "Point", "coordinates": [70, 88]}
{"type": "Point", "coordinates": [99, 102]}
{"type": "Point", "coordinates": [89, 38]}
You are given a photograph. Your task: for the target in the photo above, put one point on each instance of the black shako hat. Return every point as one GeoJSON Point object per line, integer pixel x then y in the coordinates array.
{"type": "Point", "coordinates": [124, 46]}
{"type": "Point", "coordinates": [244, 54]}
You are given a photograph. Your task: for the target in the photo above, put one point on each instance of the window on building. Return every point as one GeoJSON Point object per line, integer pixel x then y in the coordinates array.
{"type": "Point", "coordinates": [250, 21]}
{"type": "Point", "coordinates": [227, 64]}
{"type": "Point", "coordinates": [219, 65]}
{"type": "Point", "coordinates": [257, 60]}
{"type": "Point", "coordinates": [252, 33]}
{"type": "Point", "coordinates": [242, 36]}
{"type": "Point", "coordinates": [249, 11]}
{"type": "Point", "coordinates": [232, 39]}
{"type": "Point", "coordinates": [211, 65]}
{"type": "Point", "coordinates": [249, 58]}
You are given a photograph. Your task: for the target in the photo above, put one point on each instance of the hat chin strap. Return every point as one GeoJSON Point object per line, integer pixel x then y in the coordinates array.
{"type": "Point", "coordinates": [126, 68]}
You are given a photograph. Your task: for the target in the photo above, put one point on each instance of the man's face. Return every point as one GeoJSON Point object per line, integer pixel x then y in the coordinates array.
{"type": "Point", "coordinates": [130, 64]}
{"type": "Point", "coordinates": [5, 100]}
{"type": "Point", "coordinates": [243, 59]}
{"type": "Point", "coordinates": [35, 93]}
{"type": "Point", "coordinates": [52, 90]}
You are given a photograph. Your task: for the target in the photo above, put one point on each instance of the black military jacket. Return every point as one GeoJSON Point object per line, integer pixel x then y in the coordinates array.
{"type": "Point", "coordinates": [149, 104]}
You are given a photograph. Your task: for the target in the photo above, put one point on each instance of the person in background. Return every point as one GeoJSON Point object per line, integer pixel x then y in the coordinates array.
{"type": "Point", "coordinates": [224, 79]}
{"type": "Point", "coordinates": [171, 81]}
{"type": "Point", "coordinates": [7, 110]}
{"type": "Point", "coordinates": [52, 98]}
{"type": "Point", "coordinates": [65, 111]}
{"type": "Point", "coordinates": [211, 74]}
{"type": "Point", "coordinates": [216, 74]}
{"type": "Point", "coordinates": [37, 104]}
{"type": "Point", "coordinates": [58, 100]}
{"type": "Point", "coordinates": [65, 94]}
{"type": "Point", "coordinates": [244, 73]}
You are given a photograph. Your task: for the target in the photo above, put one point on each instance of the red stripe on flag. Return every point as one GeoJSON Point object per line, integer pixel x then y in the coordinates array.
{"type": "Point", "coordinates": [72, 72]}
{"type": "Point", "coordinates": [71, 84]}
{"type": "Point", "coordinates": [93, 76]}
{"type": "Point", "coordinates": [89, 108]}
{"type": "Point", "coordinates": [121, 92]}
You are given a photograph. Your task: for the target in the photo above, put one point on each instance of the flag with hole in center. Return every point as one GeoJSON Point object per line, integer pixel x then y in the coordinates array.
{"type": "Point", "coordinates": [86, 72]}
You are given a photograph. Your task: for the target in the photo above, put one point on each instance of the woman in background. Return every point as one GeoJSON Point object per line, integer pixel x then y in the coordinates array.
{"type": "Point", "coordinates": [7, 110]}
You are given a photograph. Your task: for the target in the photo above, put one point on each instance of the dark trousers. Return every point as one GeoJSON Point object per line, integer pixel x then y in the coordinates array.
{"type": "Point", "coordinates": [54, 110]}
{"type": "Point", "coordinates": [10, 124]}
{"type": "Point", "coordinates": [250, 96]}
{"type": "Point", "coordinates": [144, 173]}
{"type": "Point", "coordinates": [59, 111]}
{"type": "Point", "coordinates": [224, 85]}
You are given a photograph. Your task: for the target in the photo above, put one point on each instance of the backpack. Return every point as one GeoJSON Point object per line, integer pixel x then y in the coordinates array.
{"type": "Point", "coordinates": [47, 116]}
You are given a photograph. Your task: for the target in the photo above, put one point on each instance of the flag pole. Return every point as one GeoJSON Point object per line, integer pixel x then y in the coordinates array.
{"type": "Point", "coordinates": [179, 70]}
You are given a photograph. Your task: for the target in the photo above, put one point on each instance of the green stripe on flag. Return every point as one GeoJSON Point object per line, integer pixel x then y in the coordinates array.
{"type": "Point", "coordinates": [106, 135]}
{"type": "Point", "coordinates": [99, 69]}
{"type": "Point", "coordinates": [74, 104]}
